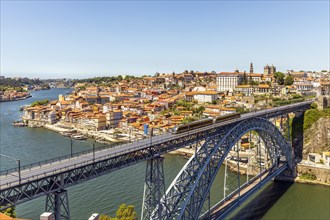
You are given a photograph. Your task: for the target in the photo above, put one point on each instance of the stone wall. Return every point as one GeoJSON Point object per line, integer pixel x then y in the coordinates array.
{"type": "Point", "coordinates": [322, 174]}
{"type": "Point", "coordinates": [317, 138]}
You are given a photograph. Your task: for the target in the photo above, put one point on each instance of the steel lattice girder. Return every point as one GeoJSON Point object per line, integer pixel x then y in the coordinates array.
{"type": "Point", "coordinates": [58, 203]}
{"type": "Point", "coordinates": [186, 195]}
{"type": "Point", "coordinates": [154, 187]}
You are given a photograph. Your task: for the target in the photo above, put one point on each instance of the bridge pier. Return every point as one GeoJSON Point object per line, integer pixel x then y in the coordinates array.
{"type": "Point", "coordinates": [58, 204]}
{"type": "Point", "coordinates": [154, 188]}
{"type": "Point", "coordinates": [296, 139]}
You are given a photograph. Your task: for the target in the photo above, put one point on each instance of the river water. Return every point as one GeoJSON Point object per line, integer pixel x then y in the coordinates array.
{"type": "Point", "coordinates": [278, 200]}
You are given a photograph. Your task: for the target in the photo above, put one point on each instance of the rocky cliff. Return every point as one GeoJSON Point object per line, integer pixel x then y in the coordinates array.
{"type": "Point", "coordinates": [317, 137]}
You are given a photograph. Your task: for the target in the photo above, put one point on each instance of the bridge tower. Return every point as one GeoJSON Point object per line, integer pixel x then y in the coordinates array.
{"type": "Point", "coordinates": [154, 187]}
{"type": "Point", "coordinates": [58, 203]}
{"type": "Point", "coordinates": [295, 136]}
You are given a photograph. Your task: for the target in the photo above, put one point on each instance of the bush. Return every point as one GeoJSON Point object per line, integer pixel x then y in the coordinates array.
{"type": "Point", "coordinates": [308, 176]}
{"type": "Point", "coordinates": [42, 102]}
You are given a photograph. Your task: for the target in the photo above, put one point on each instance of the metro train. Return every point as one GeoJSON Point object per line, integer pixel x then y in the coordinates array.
{"type": "Point", "coordinates": [204, 122]}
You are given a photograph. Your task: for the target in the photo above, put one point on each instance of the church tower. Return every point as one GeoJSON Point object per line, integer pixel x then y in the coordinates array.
{"type": "Point", "coordinates": [267, 70]}
{"type": "Point", "coordinates": [251, 68]}
{"type": "Point", "coordinates": [272, 69]}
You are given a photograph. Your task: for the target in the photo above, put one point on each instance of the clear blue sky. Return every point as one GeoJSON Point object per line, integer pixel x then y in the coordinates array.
{"type": "Point", "coordinates": [80, 39]}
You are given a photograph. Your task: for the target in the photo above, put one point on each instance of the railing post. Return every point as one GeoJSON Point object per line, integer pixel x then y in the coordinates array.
{"type": "Point", "coordinates": [71, 143]}
{"type": "Point", "coordinates": [19, 171]}
{"type": "Point", "coordinates": [93, 152]}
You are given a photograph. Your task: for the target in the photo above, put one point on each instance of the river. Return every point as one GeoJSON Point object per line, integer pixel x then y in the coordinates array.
{"type": "Point", "coordinates": [278, 200]}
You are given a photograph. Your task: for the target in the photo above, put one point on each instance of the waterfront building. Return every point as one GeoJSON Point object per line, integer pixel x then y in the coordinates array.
{"type": "Point", "coordinates": [113, 118]}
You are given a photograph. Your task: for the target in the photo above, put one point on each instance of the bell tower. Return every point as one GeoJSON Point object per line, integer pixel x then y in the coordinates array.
{"type": "Point", "coordinates": [251, 67]}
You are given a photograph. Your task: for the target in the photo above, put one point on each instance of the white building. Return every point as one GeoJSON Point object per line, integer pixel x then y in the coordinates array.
{"type": "Point", "coordinates": [227, 81]}
{"type": "Point", "coordinates": [326, 158]}
{"type": "Point", "coordinates": [244, 89]}
{"type": "Point", "coordinates": [202, 96]}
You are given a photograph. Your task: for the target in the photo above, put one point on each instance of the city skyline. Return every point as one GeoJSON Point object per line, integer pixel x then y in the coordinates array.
{"type": "Point", "coordinates": [85, 39]}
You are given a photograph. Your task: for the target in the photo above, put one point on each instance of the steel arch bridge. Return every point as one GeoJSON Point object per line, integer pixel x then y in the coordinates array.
{"type": "Point", "coordinates": [185, 197]}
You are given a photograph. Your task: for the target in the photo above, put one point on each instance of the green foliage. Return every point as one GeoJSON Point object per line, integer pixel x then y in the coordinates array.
{"type": "Point", "coordinates": [81, 88]}
{"type": "Point", "coordinates": [279, 77]}
{"type": "Point", "coordinates": [104, 79]}
{"type": "Point", "coordinates": [174, 86]}
{"type": "Point", "coordinates": [245, 81]}
{"type": "Point", "coordinates": [10, 212]}
{"type": "Point", "coordinates": [308, 176]}
{"type": "Point", "coordinates": [105, 217]}
{"type": "Point", "coordinates": [124, 212]}
{"type": "Point", "coordinates": [242, 110]}
{"type": "Point", "coordinates": [20, 82]}
{"type": "Point", "coordinates": [188, 119]}
{"type": "Point", "coordinates": [287, 102]}
{"type": "Point", "coordinates": [42, 102]}
{"type": "Point", "coordinates": [314, 105]}
{"type": "Point", "coordinates": [184, 103]}
{"type": "Point", "coordinates": [312, 115]}
{"type": "Point", "coordinates": [296, 96]}
{"type": "Point", "coordinates": [288, 80]}
{"type": "Point", "coordinates": [253, 83]}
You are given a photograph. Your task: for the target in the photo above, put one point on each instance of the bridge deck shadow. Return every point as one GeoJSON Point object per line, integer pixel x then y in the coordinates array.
{"type": "Point", "coordinates": [262, 203]}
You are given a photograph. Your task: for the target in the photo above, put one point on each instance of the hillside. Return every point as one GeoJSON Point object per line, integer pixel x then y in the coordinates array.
{"type": "Point", "coordinates": [317, 137]}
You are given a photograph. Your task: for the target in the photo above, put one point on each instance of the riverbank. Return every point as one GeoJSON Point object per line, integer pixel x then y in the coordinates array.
{"type": "Point", "coordinates": [16, 99]}
{"type": "Point", "coordinates": [313, 182]}
{"type": "Point", "coordinates": [99, 136]}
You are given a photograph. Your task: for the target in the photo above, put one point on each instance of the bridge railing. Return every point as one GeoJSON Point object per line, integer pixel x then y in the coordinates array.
{"type": "Point", "coordinates": [86, 162]}
{"type": "Point", "coordinates": [56, 159]}
{"type": "Point", "coordinates": [68, 156]}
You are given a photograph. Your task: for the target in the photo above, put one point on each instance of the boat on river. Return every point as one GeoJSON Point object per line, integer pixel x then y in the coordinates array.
{"type": "Point", "coordinates": [79, 137]}
{"type": "Point", "coordinates": [19, 123]}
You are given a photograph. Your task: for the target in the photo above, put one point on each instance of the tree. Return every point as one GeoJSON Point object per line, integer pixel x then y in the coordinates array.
{"type": "Point", "coordinates": [314, 105]}
{"type": "Point", "coordinates": [123, 213]}
{"type": "Point", "coordinates": [41, 102]}
{"type": "Point", "coordinates": [10, 212]}
{"type": "Point", "coordinates": [105, 217]}
{"type": "Point", "coordinates": [279, 77]}
{"type": "Point", "coordinates": [126, 212]}
{"type": "Point", "coordinates": [245, 79]}
{"type": "Point", "coordinates": [288, 80]}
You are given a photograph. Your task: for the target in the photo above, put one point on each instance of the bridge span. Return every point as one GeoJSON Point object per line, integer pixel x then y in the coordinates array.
{"type": "Point", "coordinates": [52, 178]}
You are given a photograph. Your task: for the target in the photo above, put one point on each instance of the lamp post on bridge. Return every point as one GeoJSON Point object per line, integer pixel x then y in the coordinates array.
{"type": "Point", "coordinates": [18, 161]}
{"type": "Point", "coordinates": [71, 143]}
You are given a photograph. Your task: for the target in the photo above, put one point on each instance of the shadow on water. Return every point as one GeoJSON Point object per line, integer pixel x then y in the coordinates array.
{"type": "Point", "coordinates": [260, 205]}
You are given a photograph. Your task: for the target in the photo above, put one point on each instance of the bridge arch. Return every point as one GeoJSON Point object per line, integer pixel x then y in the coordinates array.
{"type": "Point", "coordinates": [186, 195]}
